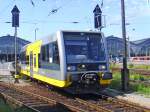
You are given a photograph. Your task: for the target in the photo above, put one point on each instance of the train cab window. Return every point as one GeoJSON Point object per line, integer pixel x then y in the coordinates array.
{"type": "Point", "coordinates": [85, 48]}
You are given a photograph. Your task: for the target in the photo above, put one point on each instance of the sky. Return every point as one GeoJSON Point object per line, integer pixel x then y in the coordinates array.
{"type": "Point", "coordinates": [40, 15]}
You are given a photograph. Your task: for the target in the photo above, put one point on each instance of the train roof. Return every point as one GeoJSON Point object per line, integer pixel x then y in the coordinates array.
{"type": "Point", "coordinates": [85, 31]}
{"type": "Point", "coordinates": [47, 39]}
{"type": "Point", "coordinates": [24, 47]}
{"type": "Point", "coordinates": [52, 36]}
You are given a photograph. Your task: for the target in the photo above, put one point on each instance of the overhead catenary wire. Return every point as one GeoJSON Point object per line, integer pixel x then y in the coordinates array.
{"type": "Point", "coordinates": [32, 3]}
{"type": "Point", "coordinates": [55, 10]}
{"type": "Point", "coordinates": [102, 3]}
{"type": "Point", "coordinates": [43, 21]}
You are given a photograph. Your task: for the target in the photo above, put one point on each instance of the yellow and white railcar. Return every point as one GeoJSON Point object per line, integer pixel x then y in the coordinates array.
{"type": "Point", "coordinates": [73, 60]}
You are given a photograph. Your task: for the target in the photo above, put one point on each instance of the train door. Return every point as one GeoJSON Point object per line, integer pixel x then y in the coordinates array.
{"type": "Point", "coordinates": [31, 64]}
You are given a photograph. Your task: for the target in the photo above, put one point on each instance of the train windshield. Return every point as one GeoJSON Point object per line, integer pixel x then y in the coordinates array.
{"type": "Point", "coordinates": [84, 47]}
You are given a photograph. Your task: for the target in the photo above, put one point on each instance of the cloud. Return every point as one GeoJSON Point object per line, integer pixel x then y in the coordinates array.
{"type": "Point", "coordinates": [133, 9]}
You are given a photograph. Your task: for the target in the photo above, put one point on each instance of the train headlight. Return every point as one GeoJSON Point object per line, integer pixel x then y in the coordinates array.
{"type": "Point", "coordinates": [102, 67]}
{"type": "Point", "coordinates": [71, 68]}
{"type": "Point", "coordinates": [83, 66]}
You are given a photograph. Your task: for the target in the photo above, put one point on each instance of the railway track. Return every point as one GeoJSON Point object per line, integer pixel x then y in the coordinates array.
{"type": "Point", "coordinates": [109, 104]}
{"type": "Point", "coordinates": [145, 83]}
{"type": "Point", "coordinates": [138, 71]}
{"type": "Point", "coordinates": [42, 100]}
{"type": "Point", "coordinates": [34, 101]}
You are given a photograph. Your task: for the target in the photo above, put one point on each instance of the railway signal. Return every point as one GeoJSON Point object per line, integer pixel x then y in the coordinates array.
{"type": "Point", "coordinates": [15, 16]}
{"type": "Point", "coordinates": [97, 17]}
{"type": "Point", "coordinates": [15, 23]}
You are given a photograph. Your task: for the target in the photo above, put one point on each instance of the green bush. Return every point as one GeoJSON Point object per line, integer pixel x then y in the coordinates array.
{"type": "Point", "coordinates": [135, 87]}
{"type": "Point", "coordinates": [131, 65]}
{"type": "Point", "coordinates": [141, 78]}
{"type": "Point", "coordinates": [147, 67]}
{"type": "Point", "coordinates": [140, 88]}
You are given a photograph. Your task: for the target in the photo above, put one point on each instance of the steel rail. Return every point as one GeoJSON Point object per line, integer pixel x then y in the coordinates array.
{"type": "Point", "coordinates": [109, 104]}
{"type": "Point", "coordinates": [125, 104]}
{"type": "Point", "coordinates": [139, 71]}
{"type": "Point", "coordinates": [42, 98]}
{"type": "Point", "coordinates": [106, 104]}
{"type": "Point", "coordinates": [91, 105]}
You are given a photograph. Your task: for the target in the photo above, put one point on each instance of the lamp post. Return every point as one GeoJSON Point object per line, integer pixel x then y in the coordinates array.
{"type": "Point", "coordinates": [15, 23]}
{"type": "Point", "coordinates": [0, 57]}
{"type": "Point", "coordinates": [124, 71]}
{"type": "Point", "coordinates": [36, 29]}
{"type": "Point", "coordinates": [128, 47]}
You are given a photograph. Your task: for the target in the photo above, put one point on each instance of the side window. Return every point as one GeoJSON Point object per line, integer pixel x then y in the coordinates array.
{"type": "Point", "coordinates": [49, 57]}
{"type": "Point", "coordinates": [39, 60]}
{"type": "Point", "coordinates": [27, 60]}
{"type": "Point", "coordinates": [23, 58]}
{"type": "Point", "coordinates": [51, 53]}
{"type": "Point", "coordinates": [35, 60]}
{"type": "Point", "coordinates": [45, 53]}
{"type": "Point", "coordinates": [55, 53]}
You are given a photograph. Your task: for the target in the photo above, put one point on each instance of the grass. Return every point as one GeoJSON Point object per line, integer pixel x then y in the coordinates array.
{"type": "Point", "coordinates": [130, 66]}
{"type": "Point", "coordinates": [134, 87]}
{"type": "Point", "coordinates": [113, 65]}
{"type": "Point", "coordinates": [141, 88]}
{"type": "Point", "coordinates": [139, 77]}
{"type": "Point", "coordinates": [146, 67]}
{"type": "Point", "coordinates": [5, 107]}
{"type": "Point", "coordinates": [116, 82]}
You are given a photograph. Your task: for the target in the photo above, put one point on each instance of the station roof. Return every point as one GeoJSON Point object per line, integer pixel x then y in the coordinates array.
{"type": "Point", "coordinates": [7, 44]}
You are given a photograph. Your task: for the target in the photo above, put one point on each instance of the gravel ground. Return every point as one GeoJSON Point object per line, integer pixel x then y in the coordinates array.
{"type": "Point", "coordinates": [9, 79]}
{"type": "Point", "coordinates": [131, 97]}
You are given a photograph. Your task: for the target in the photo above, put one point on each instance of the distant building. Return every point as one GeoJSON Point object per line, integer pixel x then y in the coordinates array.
{"type": "Point", "coordinates": [143, 47]}
{"type": "Point", "coordinates": [135, 48]}
{"type": "Point", "coordinates": [115, 46]}
{"type": "Point", "coordinates": [7, 47]}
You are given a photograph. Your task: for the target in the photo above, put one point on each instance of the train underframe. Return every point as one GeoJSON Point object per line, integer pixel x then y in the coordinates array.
{"type": "Point", "coordinates": [88, 83]}
{"type": "Point", "coordinates": [85, 83]}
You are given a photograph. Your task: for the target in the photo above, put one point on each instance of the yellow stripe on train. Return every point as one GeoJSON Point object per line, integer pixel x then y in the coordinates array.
{"type": "Point", "coordinates": [58, 83]}
{"type": "Point", "coordinates": [105, 82]}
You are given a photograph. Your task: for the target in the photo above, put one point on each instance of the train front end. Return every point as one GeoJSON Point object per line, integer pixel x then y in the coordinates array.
{"type": "Point", "coordinates": [87, 65]}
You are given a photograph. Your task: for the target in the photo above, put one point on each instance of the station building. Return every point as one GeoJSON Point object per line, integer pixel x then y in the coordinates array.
{"type": "Point", "coordinates": [135, 48]}
{"type": "Point", "coordinates": [115, 47]}
{"type": "Point", "coordinates": [142, 47]}
{"type": "Point", "coordinates": [7, 47]}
